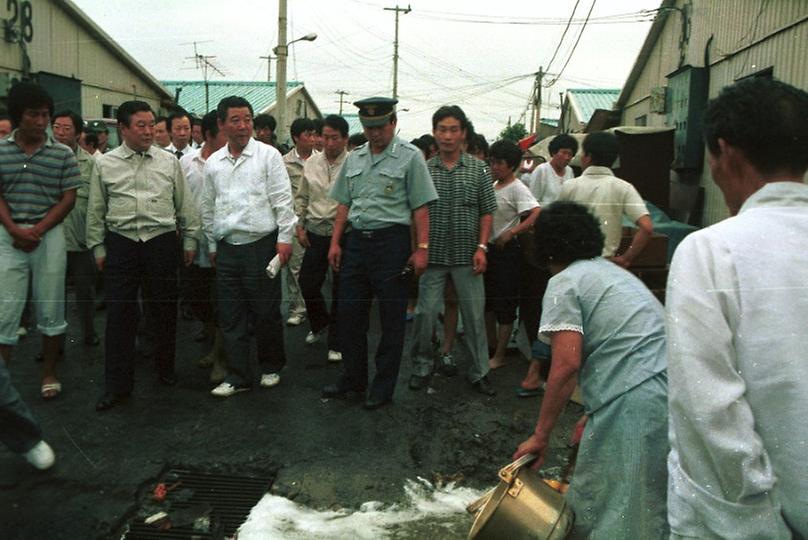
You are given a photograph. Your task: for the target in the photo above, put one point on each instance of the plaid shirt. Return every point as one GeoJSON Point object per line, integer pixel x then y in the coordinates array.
{"type": "Point", "coordinates": [465, 194]}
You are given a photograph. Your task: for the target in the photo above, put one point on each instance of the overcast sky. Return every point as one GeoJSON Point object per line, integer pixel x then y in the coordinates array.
{"type": "Point", "coordinates": [480, 55]}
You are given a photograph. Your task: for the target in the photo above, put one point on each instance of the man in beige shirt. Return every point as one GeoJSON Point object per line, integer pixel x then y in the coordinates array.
{"type": "Point", "coordinates": [316, 213]}
{"type": "Point", "coordinates": [137, 203]}
{"type": "Point", "coordinates": [609, 198]}
{"type": "Point", "coordinates": [302, 131]}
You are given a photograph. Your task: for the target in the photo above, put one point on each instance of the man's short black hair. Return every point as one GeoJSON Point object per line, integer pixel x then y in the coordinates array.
{"type": "Point", "coordinates": [318, 126]}
{"type": "Point", "coordinates": [195, 120]}
{"type": "Point", "coordinates": [159, 119]}
{"type": "Point", "coordinates": [27, 95]}
{"type": "Point", "coordinates": [421, 145]}
{"type": "Point", "coordinates": [300, 125]}
{"type": "Point", "coordinates": [567, 232]}
{"type": "Point", "coordinates": [602, 147]}
{"type": "Point", "coordinates": [178, 113]}
{"type": "Point", "coordinates": [128, 108]}
{"type": "Point", "coordinates": [336, 122]}
{"type": "Point", "coordinates": [357, 139]}
{"type": "Point", "coordinates": [478, 145]}
{"type": "Point", "coordinates": [91, 139]}
{"type": "Point", "coordinates": [78, 123]}
{"type": "Point", "coordinates": [450, 111]}
{"type": "Point", "coordinates": [562, 141]}
{"type": "Point", "coordinates": [265, 120]}
{"type": "Point", "coordinates": [210, 125]}
{"type": "Point", "coordinates": [231, 102]}
{"type": "Point", "coordinates": [507, 151]}
{"type": "Point", "coordinates": [766, 119]}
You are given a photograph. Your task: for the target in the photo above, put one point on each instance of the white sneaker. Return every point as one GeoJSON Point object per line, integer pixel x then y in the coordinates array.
{"type": "Point", "coordinates": [294, 320]}
{"type": "Point", "coordinates": [226, 390]}
{"type": "Point", "coordinates": [312, 338]}
{"type": "Point", "coordinates": [268, 380]}
{"type": "Point", "coordinates": [334, 356]}
{"type": "Point", "coordinates": [41, 456]}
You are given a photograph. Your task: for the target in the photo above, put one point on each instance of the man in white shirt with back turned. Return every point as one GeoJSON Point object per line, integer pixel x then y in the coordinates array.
{"type": "Point", "coordinates": [248, 217]}
{"type": "Point", "coordinates": [737, 305]}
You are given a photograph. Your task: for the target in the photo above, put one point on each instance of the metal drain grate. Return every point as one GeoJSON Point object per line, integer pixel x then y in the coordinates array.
{"type": "Point", "coordinates": [229, 498]}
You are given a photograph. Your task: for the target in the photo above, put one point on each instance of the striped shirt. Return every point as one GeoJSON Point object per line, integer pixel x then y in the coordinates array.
{"type": "Point", "coordinates": [32, 185]}
{"type": "Point", "coordinates": [465, 194]}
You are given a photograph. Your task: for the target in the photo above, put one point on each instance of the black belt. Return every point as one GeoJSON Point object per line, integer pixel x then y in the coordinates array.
{"type": "Point", "coordinates": [372, 234]}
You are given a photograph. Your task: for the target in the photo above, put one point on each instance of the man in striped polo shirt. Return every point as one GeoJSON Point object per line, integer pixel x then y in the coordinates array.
{"type": "Point", "coordinates": [38, 183]}
{"type": "Point", "coordinates": [459, 228]}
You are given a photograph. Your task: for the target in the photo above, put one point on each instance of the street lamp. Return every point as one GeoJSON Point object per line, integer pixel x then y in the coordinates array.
{"type": "Point", "coordinates": [281, 52]}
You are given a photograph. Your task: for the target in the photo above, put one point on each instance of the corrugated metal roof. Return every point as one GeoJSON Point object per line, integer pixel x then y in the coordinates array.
{"type": "Point", "coordinates": [550, 121]}
{"type": "Point", "coordinates": [354, 125]}
{"type": "Point", "coordinates": [260, 94]}
{"type": "Point", "coordinates": [587, 100]}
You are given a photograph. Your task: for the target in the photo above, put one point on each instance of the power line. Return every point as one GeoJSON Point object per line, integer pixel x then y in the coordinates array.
{"type": "Point", "coordinates": [581, 33]}
{"type": "Point", "coordinates": [563, 34]}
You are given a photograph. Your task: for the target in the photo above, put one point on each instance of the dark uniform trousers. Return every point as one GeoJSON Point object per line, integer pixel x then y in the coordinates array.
{"type": "Point", "coordinates": [243, 289]}
{"type": "Point", "coordinates": [372, 261]}
{"type": "Point", "coordinates": [311, 278]}
{"type": "Point", "coordinates": [150, 267]}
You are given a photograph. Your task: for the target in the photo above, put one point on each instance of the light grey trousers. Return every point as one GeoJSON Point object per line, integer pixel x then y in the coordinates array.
{"type": "Point", "coordinates": [471, 301]}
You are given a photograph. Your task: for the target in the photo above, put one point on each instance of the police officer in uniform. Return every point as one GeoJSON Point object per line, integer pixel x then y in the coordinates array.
{"type": "Point", "coordinates": [383, 188]}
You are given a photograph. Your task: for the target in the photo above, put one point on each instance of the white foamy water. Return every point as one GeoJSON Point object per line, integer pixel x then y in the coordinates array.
{"type": "Point", "coordinates": [427, 512]}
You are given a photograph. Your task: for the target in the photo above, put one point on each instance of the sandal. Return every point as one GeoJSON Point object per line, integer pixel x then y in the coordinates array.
{"type": "Point", "coordinates": [530, 392]}
{"type": "Point", "coordinates": [51, 390]}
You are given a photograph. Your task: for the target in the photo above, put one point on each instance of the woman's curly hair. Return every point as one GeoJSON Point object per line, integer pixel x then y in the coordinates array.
{"type": "Point", "coordinates": [567, 232]}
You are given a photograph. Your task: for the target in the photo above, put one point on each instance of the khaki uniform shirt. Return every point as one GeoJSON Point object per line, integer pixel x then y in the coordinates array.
{"type": "Point", "coordinates": [294, 168]}
{"type": "Point", "coordinates": [75, 224]}
{"type": "Point", "coordinates": [383, 189]}
{"type": "Point", "coordinates": [140, 195]}
{"type": "Point", "coordinates": [317, 209]}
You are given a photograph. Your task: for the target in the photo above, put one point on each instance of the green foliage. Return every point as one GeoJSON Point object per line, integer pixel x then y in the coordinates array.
{"type": "Point", "coordinates": [514, 133]}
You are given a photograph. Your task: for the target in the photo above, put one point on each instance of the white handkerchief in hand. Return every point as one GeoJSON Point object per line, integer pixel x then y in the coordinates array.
{"type": "Point", "coordinates": [274, 267]}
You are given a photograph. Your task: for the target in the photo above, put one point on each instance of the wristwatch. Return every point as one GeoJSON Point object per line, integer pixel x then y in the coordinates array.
{"type": "Point", "coordinates": [423, 245]}
{"type": "Point", "coordinates": [483, 247]}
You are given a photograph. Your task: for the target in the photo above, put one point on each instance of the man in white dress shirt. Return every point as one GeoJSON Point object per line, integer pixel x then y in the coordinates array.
{"type": "Point", "coordinates": [737, 317]}
{"type": "Point", "coordinates": [248, 217]}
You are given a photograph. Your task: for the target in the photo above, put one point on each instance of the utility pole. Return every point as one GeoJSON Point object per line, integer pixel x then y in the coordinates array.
{"type": "Point", "coordinates": [281, 51]}
{"type": "Point", "coordinates": [536, 120]}
{"type": "Point", "coordinates": [341, 93]}
{"type": "Point", "coordinates": [395, 47]}
{"type": "Point", "coordinates": [269, 60]}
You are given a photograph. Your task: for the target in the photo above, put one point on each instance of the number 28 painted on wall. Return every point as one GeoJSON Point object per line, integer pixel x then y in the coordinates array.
{"type": "Point", "coordinates": [21, 11]}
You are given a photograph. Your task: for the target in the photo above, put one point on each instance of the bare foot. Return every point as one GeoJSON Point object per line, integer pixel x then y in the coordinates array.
{"type": "Point", "coordinates": [496, 363]}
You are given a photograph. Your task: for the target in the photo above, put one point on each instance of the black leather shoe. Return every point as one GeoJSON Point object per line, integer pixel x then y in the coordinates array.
{"type": "Point", "coordinates": [483, 386]}
{"type": "Point", "coordinates": [372, 403]}
{"type": "Point", "coordinates": [418, 382]}
{"type": "Point", "coordinates": [109, 400]}
{"type": "Point", "coordinates": [168, 379]}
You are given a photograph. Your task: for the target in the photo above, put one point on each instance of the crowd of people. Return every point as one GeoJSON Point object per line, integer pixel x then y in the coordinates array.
{"type": "Point", "coordinates": [692, 424]}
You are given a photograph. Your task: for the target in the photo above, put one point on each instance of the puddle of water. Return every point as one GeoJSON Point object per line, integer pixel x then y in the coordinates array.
{"type": "Point", "coordinates": [427, 512]}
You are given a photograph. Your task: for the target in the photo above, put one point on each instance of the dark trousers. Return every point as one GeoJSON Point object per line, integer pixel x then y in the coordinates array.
{"type": "Point", "coordinates": [199, 291]}
{"type": "Point", "coordinates": [533, 284]}
{"type": "Point", "coordinates": [243, 290]}
{"type": "Point", "coordinates": [311, 278]}
{"type": "Point", "coordinates": [81, 267]}
{"type": "Point", "coordinates": [150, 267]}
{"type": "Point", "coordinates": [371, 264]}
{"type": "Point", "coordinates": [502, 281]}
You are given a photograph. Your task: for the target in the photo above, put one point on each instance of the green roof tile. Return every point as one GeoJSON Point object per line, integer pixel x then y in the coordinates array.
{"type": "Point", "coordinates": [590, 99]}
{"type": "Point", "coordinates": [260, 94]}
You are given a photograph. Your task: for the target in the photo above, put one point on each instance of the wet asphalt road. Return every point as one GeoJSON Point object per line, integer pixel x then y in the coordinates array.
{"type": "Point", "coordinates": [323, 453]}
